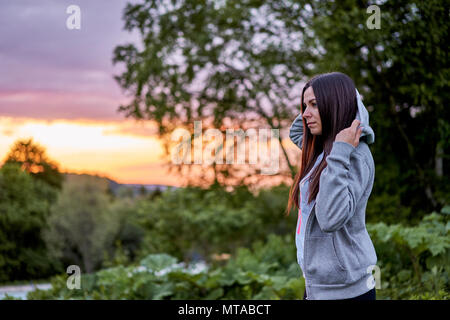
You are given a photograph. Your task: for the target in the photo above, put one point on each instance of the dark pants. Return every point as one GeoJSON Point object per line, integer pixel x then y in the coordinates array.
{"type": "Point", "coordinates": [370, 295]}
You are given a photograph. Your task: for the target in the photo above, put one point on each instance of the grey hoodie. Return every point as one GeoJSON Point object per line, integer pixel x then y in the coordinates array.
{"type": "Point", "coordinates": [338, 252]}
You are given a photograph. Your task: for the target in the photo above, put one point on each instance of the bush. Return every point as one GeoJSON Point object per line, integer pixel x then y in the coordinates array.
{"type": "Point", "coordinates": [194, 222]}
{"type": "Point", "coordinates": [414, 261]}
{"type": "Point", "coordinates": [252, 274]}
{"type": "Point", "coordinates": [166, 232]}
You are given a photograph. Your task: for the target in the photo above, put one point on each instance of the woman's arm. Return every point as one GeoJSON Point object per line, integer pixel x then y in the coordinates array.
{"type": "Point", "coordinates": [342, 184]}
{"type": "Point", "coordinates": [296, 131]}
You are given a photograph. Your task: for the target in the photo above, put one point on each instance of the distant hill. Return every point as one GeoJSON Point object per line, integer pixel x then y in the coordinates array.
{"type": "Point", "coordinates": [106, 183]}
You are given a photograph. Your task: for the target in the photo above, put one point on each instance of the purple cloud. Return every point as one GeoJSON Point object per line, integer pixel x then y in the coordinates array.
{"type": "Point", "coordinates": [50, 71]}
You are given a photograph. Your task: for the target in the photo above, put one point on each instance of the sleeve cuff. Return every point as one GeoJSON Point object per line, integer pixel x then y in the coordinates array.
{"type": "Point", "coordinates": [342, 149]}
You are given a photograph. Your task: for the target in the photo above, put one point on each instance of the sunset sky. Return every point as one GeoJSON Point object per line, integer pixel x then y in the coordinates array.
{"type": "Point", "coordinates": [57, 86]}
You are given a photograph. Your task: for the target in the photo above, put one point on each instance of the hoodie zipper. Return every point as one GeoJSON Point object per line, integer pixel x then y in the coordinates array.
{"type": "Point", "coordinates": [304, 247]}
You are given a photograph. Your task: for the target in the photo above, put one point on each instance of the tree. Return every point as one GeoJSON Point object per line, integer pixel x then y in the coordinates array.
{"type": "Point", "coordinates": [33, 159]}
{"type": "Point", "coordinates": [237, 60]}
{"type": "Point", "coordinates": [24, 208]}
{"type": "Point", "coordinates": [229, 64]}
{"type": "Point", "coordinates": [129, 235]}
{"type": "Point", "coordinates": [80, 229]}
{"type": "Point", "coordinates": [402, 70]}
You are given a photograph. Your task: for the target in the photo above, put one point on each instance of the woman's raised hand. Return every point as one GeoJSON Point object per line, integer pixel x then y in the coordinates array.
{"type": "Point", "coordinates": [351, 134]}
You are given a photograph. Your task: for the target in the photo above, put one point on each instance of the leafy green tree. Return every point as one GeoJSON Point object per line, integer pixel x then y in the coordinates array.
{"type": "Point", "coordinates": [80, 228]}
{"type": "Point", "coordinates": [230, 63]}
{"type": "Point", "coordinates": [234, 60]}
{"type": "Point", "coordinates": [129, 235]}
{"type": "Point", "coordinates": [24, 209]}
{"type": "Point", "coordinates": [402, 70]}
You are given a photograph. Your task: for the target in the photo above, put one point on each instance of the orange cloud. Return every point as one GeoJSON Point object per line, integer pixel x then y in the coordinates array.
{"type": "Point", "coordinates": [101, 147]}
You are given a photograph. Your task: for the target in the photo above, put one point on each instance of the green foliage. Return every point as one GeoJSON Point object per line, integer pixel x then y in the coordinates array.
{"type": "Point", "coordinates": [415, 261]}
{"type": "Point", "coordinates": [208, 36]}
{"type": "Point", "coordinates": [414, 264]}
{"type": "Point", "coordinates": [401, 69]}
{"type": "Point", "coordinates": [194, 221]}
{"type": "Point", "coordinates": [79, 226]}
{"type": "Point", "coordinates": [24, 208]}
{"type": "Point", "coordinates": [182, 40]}
{"type": "Point", "coordinates": [29, 184]}
{"type": "Point", "coordinates": [128, 235]}
{"type": "Point", "coordinates": [250, 275]}
{"type": "Point", "coordinates": [387, 207]}
{"type": "Point", "coordinates": [89, 229]}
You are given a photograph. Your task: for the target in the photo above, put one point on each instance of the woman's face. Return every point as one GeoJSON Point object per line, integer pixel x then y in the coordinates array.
{"type": "Point", "coordinates": [311, 113]}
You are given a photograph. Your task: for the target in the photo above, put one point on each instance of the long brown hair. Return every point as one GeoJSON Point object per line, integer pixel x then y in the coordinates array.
{"type": "Point", "coordinates": [336, 100]}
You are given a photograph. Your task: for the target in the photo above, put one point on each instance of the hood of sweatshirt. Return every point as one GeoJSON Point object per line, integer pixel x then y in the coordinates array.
{"type": "Point", "coordinates": [368, 135]}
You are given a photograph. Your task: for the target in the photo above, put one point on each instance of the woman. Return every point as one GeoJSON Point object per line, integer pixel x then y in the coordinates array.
{"type": "Point", "coordinates": [334, 249]}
